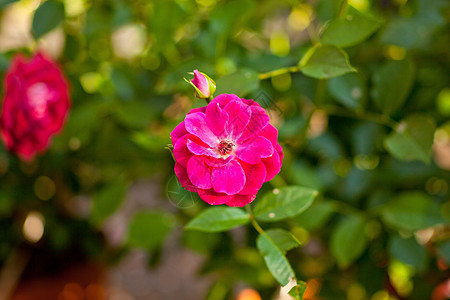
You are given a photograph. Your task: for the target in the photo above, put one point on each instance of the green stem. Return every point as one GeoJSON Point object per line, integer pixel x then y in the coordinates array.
{"type": "Point", "coordinates": [343, 9]}
{"type": "Point", "coordinates": [277, 72]}
{"type": "Point", "coordinates": [253, 220]}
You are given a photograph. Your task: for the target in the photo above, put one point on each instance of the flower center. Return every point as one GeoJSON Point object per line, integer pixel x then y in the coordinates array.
{"type": "Point", "coordinates": [225, 147]}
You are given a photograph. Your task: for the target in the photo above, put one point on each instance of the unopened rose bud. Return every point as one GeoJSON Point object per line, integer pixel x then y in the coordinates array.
{"type": "Point", "coordinates": [203, 85]}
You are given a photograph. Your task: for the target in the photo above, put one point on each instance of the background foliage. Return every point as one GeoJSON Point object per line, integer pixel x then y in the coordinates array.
{"type": "Point", "coordinates": [359, 91]}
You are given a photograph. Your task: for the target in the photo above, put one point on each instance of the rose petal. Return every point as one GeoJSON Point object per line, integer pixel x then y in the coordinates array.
{"type": "Point", "coordinates": [239, 117]}
{"type": "Point", "coordinates": [199, 173]}
{"type": "Point", "coordinates": [254, 177]}
{"type": "Point", "coordinates": [213, 198]}
{"type": "Point", "coordinates": [240, 200]}
{"type": "Point", "coordinates": [183, 178]}
{"type": "Point", "coordinates": [180, 151]}
{"type": "Point", "coordinates": [228, 179]}
{"type": "Point", "coordinates": [201, 150]}
{"type": "Point", "coordinates": [216, 118]}
{"type": "Point", "coordinates": [258, 121]}
{"type": "Point", "coordinates": [270, 133]}
{"type": "Point", "coordinates": [254, 149]}
{"type": "Point", "coordinates": [196, 124]}
{"type": "Point", "coordinates": [224, 99]}
{"type": "Point", "coordinates": [273, 165]}
{"type": "Point", "coordinates": [178, 132]}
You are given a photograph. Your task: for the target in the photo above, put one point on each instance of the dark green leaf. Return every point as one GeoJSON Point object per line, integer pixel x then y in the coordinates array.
{"type": "Point", "coordinates": [412, 139]}
{"type": "Point", "coordinates": [325, 61]}
{"type": "Point", "coordinates": [284, 240]}
{"type": "Point", "coordinates": [392, 83]}
{"type": "Point", "coordinates": [240, 83]}
{"type": "Point", "coordinates": [348, 89]}
{"type": "Point", "coordinates": [352, 29]}
{"type": "Point", "coordinates": [284, 203]}
{"type": "Point", "coordinates": [298, 290]}
{"type": "Point", "coordinates": [315, 216]}
{"type": "Point", "coordinates": [444, 250]}
{"type": "Point", "coordinates": [276, 262]}
{"type": "Point", "coordinates": [148, 230]}
{"type": "Point", "coordinates": [348, 240]}
{"type": "Point", "coordinates": [107, 201]}
{"type": "Point", "coordinates": [412, 211]}
{"type": "Point", "coordinates": [48, 15]}
{"type": "Point", "coordinates": [409, 252]}
{"type": "Point", "coordinates": [216, 219]}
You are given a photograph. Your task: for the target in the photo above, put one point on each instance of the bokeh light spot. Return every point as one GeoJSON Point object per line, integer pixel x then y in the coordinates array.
{"type": "Point", "coordinates": [44, 188]}
{"type": "Point", "coordinates": [33, 227]}
{"type": "Point", "coordinates": [279, 43]}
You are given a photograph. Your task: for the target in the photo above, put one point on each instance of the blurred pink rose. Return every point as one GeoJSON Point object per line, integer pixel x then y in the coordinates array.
{"type": "Point", "coordinates": [226, 150]}
{"type": "Point", "coordinates": [35, 105]}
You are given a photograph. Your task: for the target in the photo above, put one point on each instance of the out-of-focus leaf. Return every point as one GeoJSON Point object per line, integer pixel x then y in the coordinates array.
{"type": "Point", "coordinates": [201, 242]}
{"type": "Point", "coordinates": [391, 84]}
{"type": "Point", "coordinates": [361, 144]}
{"type": "Point", "coordinates": [284, 203]}
{"type": "Point", "coordinates": [348, 240]}
{"type": "Point", "coordinates": [412, 139]}
{"type": "Point", "coordinates": [48, 15]}
{"type": "Point", "coordinates": [298, 290]}
{"type": "Point", "coordinates": [409, 252]}
{"type": "Point", "coordinates": [149, 229]}
{"type": "Point", "coordinates": [412, 211]}
{"type": "Point", "coordinates": [348, 90]}
{"type": "Point", "coordinates": [276, 262]}
{"type": "Point", "coordinates": [224, 17]}
{"type": "Point", "coordinates": [3, 3]}
{"type": "Point", "coordinates": [216, 219]}
{"type": "Point", "coordinates": [444, 250]}
{"type": "Point", "coordinates": [240, 83]}
{"type": "Point", "coordinates": [352, 29]}
{"type": "Point", "coordinates": [325, 61]}
{"type": "Point", "coordinates": [107, 201]}
{"type": "Point", "coordinates": [283, 239]}
{"type": "Point", "coordinates": [315, 216]}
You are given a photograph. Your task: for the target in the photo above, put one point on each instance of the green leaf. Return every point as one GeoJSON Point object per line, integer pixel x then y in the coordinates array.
{"type": "Point", "coordinates": [348, 90]}
{"type": "Point", "coordinates": [48, 15]}
{"type": "Point", "coordinates": [284, 203]}
{"type": "Point", "coordinates": [348, 240]}
{"type": "Point", "coordinates": [298, 290]}
{"type": "Point", "coordinates": [315, 216]}
{"type": "Point", "coordinates": [352, 29]}
{"type": "Point", "coordinates": [412, 139]}
{"type": "Point", "coordinates": [3, 3]}
{"type": "Point", "coordinates": [444, 250]}
{"type": "Point", "coordinates": [107, 201]}
{"type": "Point", "coordinates": [283, 239]}
{"type": "Point", "coordinates": [409, 252]}
{"type": "Point", "coordinates": [240, 83]}
{"type": "Point", "coordinates": [216, 219]}
{"type": "Point", "coordinates": [412, 211]}
{"type": "Point", "coordinates": [392, 83]}
{"type": "Point", "coordinates": [149, 229]}
{"type": "Point", "coordinates": [325, 61]}
{"type": "Point", "coordinates": [276, 262]}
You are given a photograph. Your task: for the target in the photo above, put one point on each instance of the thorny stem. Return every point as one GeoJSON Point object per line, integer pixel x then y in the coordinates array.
{"type": "Point", "coordinates": [252, 219]}
{"type": "Point", "coordinates": [293, 69]}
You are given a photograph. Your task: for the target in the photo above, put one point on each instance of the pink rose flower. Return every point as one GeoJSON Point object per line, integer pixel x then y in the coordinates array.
{"type": "Point", "coordinates": [203, 85]}
{"type": "Point", "coordinates": [226, 150]}
{"type": "Point", "coordinates": [35, 105]}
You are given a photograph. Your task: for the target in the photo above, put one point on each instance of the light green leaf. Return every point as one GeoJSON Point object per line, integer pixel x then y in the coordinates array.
{"type": "Point", "coordinates": [412, 211]}
{"type": "Point", "coordinates": [48, 15]}
{"type": "Point", "coordinates": [409, 252]}
{"type": "Point", "coordinates": [107, 201]}
{"type": "Point", "coordinates": [216, 219]}
{"type": "Point", "coordinates": [325, 61]}
{"type": "Point", "coordinates": [392, 83]}
{"type": "Point", "coordinates": [276, 262]}
{"type": "Point", "coordinates": [284, 203]}
{"type": "Point", "coordinates": [354, 28]}
{"type": "Point", "coordinates": [298, 290]}
{"type": "Point", "coordinates": [240, 83]}
{"type": "Point", "coordinates": [148, 230]}
{"type": "Point", "coordinates": [3, 3]}
{"type": "Point", "coordinates": [348, 240]}
{"type": "Point", "coordinates": [283, 239]}
{"type": "Point", "coordinates": [348, 90]}
{"type": "Point", "coordinates": [412, 139]}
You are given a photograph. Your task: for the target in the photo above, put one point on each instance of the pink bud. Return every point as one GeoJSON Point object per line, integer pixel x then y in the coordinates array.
{"type": "Point", "coordinates": [203, 85]}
